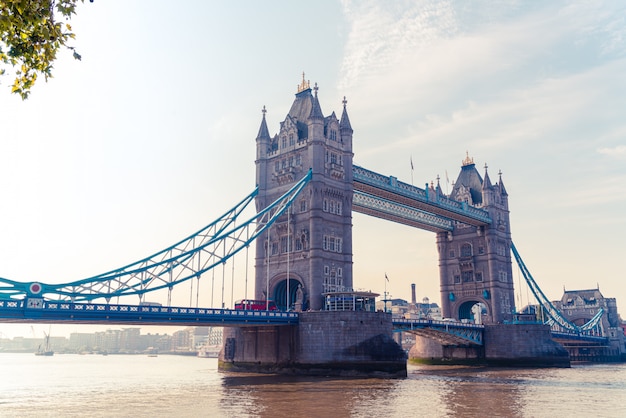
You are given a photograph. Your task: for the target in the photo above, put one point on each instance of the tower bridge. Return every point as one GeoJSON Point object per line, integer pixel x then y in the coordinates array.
{"type": "Point", "coordinates": [307, 189]}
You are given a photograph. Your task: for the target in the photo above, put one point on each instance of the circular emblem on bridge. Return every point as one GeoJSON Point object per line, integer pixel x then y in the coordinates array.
{"type": "Point", "coordinates": [35, 288]}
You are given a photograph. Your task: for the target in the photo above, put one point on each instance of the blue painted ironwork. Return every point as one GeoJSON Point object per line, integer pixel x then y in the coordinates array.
{"type": "Point", "coordinates": [590, 340]}
{"type": "Point", "coordinates": [436, 204]}
{"type": "Point", "coordinates": [185, 260]}
{"type": "Point", "coordinates": [556, 320]}
{"type": "Point", "coordinates": [42, 311]}
{"type": "Point", "coordinates": [448, 333]}
{"type": "Point", "coordinates": [397, 212]}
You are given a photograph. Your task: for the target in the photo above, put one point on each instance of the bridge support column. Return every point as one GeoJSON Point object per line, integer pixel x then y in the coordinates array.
{"type": "Point", "coordinates": [523, 345]}
{"type": "Point", "coordinates": [510, 345]}
{"type": "Point", "coordinates": [324, 343]}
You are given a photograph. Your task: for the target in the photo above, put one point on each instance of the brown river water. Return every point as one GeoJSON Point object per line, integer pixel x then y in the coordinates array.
{"type": "Point", "coordinates": [68, 385]}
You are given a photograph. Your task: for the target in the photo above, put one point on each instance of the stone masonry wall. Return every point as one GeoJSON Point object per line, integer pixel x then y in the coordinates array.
{"type": "Point", "coordinates": [324, 343]}
{"type": "Point", "coordinates": [523, 344]}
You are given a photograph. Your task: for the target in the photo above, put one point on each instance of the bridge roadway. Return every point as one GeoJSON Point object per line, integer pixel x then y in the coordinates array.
{"type": "Point", "coordinates": [568, 339]}
{"type": "Point", "coordinates": [36, 310]}
{"type": "Point", "coordinates": [39, 311]}
{"type": "Point", "coordinates": [445, 332]}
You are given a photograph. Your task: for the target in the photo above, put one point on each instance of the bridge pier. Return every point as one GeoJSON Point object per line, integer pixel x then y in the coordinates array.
{"type": "Point", "coordinates": [337, 343]}
{"type": "Point", "coordinates": [510, 345]}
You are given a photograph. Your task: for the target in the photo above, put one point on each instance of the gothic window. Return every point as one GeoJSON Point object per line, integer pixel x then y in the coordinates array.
{"type": "Point", "coordinates": [326, 157]}
{"type": "Point", "coordinates": [303, 205]}
{"type": "Point", "coordinates": [338, 245]}
{"type": "Point", "coordinates": [331, 243]}
{"type": "Point", "coordinates": [481, 250]}
{"type": "Point", "coordinates": [298, 159]}
{"type": "Point", "coordinates": [284, 142]}
{"type": "Point", "coordinates": [457, 279]}
{"type": "Point", "coordinates": [285, 244]}
{"type": "Point", "coordinates": [333, 158]}
{"type": "Point", "coordinates": [479, 277]}
{"type": "Point", "coordinates": [466, 250]}
{"type": "Point", "coordinates": [467, 276]}
{"type": "Point", "coordinates": [277, 166]}
{"type": "Point", "coordinates": [291, 161]}
{"type": "Point", "coordinates": [338, 207]}
{"type": "Point", "coordinates": [333, 135]}
{"type": "Point", "coordinates": [274, 248]}
{"type": "Point", "coordinates": [292, 141]}
{"type": "Point", "coordinates": [325, 243]}
{"type": "Point", "coordinates": [451, 253]}
{"type": "Point", "coordinates": [283, 163]}
{"type": "Point", "coordinates": [326, 270]}
{"type": "Point", "coordinates": [298, 245]}
{"type": "Point", "coordinates": [331, 208]}
{"type": "Point", "coordinates": [339, 271]}
{"type": "Point", "coordinates": [325, 205]}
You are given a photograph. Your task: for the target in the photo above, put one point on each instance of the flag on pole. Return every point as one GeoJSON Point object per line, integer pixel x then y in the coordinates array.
{"type": "Point", "coordinates": [386, 278]}
{"type": "Point", "coordinates": [411, 162]}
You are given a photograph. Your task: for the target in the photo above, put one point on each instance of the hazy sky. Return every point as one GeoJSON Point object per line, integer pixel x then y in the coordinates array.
{"type": "Point", "coordinates": [152, 135]}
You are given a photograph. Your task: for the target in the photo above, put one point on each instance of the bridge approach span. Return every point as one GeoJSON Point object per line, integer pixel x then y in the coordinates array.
{"type": "Point", "coordinates": [446, 333]}
{"type": "Point", "coordinates": [40, 311]}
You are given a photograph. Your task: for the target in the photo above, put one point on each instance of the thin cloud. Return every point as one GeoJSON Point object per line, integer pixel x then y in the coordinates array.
{"type": "Point", "coordinates": [615, 152]}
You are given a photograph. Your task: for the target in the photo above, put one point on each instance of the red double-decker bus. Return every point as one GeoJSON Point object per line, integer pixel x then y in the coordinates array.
{"type": "Point", "coordinates": [255, 305]}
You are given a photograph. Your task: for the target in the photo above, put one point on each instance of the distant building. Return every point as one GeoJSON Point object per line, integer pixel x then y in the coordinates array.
{"type": "Point", "coordinates": [580, 306]}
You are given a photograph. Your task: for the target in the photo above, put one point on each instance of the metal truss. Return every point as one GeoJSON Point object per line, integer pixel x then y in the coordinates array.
{"type": "Point", "coordinates": [376, 184]}
{"type": "Point", "coordinates": [35, 310]}
{"type": "Point", "coordinates": [556, 320]}
{"type": "Point", "coordinates": [185, 260]}
{"type": "Point", "coordinates": [389, 210]}
{"type": "Point", "coordinates": [447, 333]}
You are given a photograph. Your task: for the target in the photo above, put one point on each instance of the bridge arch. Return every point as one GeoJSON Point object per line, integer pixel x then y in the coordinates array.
{"type": "Point", "coordinates": [470, 310]}
{"type": "Point", "coordinates": [279, 287]}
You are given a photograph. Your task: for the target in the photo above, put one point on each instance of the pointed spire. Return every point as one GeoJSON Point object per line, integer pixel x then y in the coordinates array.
{"type": "Point", "coordinates": [344, 124]}
{"type": "Point", "coordinates": [487, 181]}
{"type": "Point", "coordinates": [264, 133]}
{"type": "Point", "coordinates": [502, 189]}
{"type": "Point", "coordinates": [316, 110]}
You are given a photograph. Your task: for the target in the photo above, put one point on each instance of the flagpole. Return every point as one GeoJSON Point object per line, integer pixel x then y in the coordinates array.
{"type": "Point", "coordinates": [385, 300]}
{"type": "Point", "coordinates": [411, 170]}
{"type": "Point", "coordinates": [385, 293]}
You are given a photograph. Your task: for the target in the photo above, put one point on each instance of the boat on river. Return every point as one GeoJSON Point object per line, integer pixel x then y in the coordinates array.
{"type": "Point", "coordinates": [44, 349]}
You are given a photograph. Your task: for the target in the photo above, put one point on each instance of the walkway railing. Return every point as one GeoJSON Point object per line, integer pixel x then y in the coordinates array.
{"type": "Point", "coordinates": [391, 184]}
{"type": "Point", "coordinates": [34, 309]}
{"type": "Point", "coordinates": [450, 332]}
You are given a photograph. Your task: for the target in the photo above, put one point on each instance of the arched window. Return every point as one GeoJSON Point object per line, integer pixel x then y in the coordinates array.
{"type": "Point", "coordinates": [466, 250]}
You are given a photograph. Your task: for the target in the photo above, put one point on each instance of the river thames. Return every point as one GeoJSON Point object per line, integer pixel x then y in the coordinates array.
{"type": "Point", "coordinates": [72, 385]}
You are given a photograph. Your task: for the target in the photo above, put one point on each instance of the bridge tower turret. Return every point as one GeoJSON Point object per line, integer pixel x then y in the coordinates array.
{"type": "Point", "coordinates": [309, 250]}
{"type": "Point", "coordinates": [475, 262]}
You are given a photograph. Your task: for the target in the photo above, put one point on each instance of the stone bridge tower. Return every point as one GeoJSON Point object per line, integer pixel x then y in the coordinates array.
{"type": "Point", "coordinates": [475, 262]}
{"type": "Point", "coordinates": [309, 250]}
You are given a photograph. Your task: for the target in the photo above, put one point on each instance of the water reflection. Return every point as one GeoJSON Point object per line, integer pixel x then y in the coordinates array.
{"type": "Point", "coordinates": [472, 391]}
{"type": "Point", "coordinates": [166, 386]}
{"type": "Point", "coordinates": [288, 396]}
